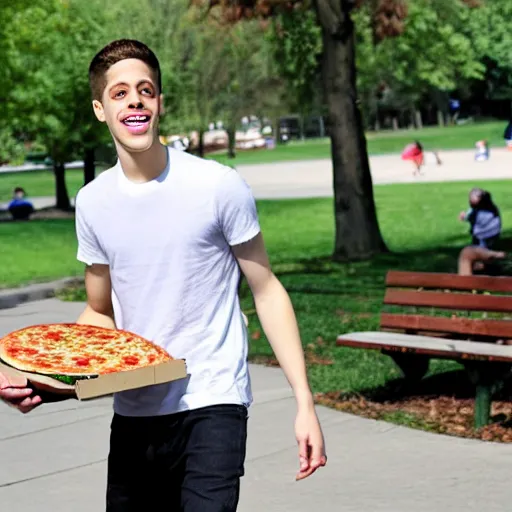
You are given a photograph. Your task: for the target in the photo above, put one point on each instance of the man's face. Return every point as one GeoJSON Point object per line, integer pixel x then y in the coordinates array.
{"type": "Point", "coordinates": [131, 105]}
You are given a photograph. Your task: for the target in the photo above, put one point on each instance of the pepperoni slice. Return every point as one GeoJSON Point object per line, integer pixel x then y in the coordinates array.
{"type": "Point", "coordinates": [29, 351]}
{"type": "Point", "coordinates": [131, 360]}
{"type": "Point", "coordinates": [54, 336]}
{"type": "Point", "coordinates": [82, 361]}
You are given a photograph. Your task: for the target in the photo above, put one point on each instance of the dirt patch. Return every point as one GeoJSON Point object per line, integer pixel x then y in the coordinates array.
{"type": "Point", "coordinates": [53, 213]}
{"type": "Point", "coordinates": [442, 414]}
{"type": "Point", "coordinates": [442, 403]}
{"type": "Point", "coordinates": [44, 214]}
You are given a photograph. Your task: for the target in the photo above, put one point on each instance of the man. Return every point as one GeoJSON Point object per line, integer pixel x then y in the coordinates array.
{"type": "Point", "coordinates": [164, 236]}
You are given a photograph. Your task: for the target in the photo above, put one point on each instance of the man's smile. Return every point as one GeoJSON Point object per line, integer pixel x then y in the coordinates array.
{"type": "Point", "coordinates": [136, 123]}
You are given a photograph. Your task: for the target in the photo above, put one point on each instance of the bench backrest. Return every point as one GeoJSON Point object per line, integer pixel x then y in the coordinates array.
{"type": "Point", "coordinates": [445, 292]}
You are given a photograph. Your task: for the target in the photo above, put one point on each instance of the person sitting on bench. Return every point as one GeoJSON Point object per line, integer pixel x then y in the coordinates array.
{"type": "Point", "coordinates": [19, 207]}
{"type": "Point", "coordinates": [485, 220]}
{"type": "Point", "coordinates": [473, 258]}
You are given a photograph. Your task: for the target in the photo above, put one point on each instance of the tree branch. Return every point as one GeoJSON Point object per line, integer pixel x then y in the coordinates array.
{"type": "Point", "coordinates": [333, 16]}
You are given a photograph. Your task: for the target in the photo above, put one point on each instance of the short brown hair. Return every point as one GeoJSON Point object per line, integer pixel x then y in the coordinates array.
{"type": "Point", "coordinates": [114, 52]}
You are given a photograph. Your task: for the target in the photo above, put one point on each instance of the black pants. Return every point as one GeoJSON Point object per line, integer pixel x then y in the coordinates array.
{"type": "Point", "coordinates": [489, 243]}
{"type": "Point", "coordinates": [190, 461]}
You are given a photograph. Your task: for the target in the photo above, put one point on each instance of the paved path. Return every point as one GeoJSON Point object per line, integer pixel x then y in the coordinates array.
{"type": "Point", "coordinates": [53, 459]}
{"type": "Point", "coordinates": [313, 178]}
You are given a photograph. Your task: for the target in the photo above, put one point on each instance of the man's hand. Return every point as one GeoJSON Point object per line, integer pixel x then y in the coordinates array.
{"type": "Point", "coordinates": [311, 443]}
{"type": "Point", "coordinates": [462, 216]}
{"type": "Point", "coordinates": [15, 391]}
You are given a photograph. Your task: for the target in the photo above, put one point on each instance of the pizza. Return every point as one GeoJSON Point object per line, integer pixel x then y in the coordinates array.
{"type": "Point", "coordinates": [78, 350]}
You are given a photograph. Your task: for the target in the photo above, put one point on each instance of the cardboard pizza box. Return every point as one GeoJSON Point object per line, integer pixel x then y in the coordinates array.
{"type": "Point", "coordinates": [107, 384]}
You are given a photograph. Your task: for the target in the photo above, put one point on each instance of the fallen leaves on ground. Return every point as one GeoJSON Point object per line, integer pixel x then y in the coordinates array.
{"type": "Point", "coordinates": [442, 414]}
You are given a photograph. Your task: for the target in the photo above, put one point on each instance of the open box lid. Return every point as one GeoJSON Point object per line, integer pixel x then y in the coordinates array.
{"type": "Point", "coordinates": [106, 384]}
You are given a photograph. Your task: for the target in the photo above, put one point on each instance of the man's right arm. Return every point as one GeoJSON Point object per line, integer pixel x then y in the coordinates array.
{"type": "Point", "coordinates": [99, 311]}
{"type": "Point", "coordinates": [98, 287]}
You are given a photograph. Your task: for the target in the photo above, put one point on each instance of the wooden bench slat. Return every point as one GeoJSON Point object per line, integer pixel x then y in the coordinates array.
{"type": "Point", "coordinates": [448, 281]}
{"type": "Point", "coordinates": [467, 326]}
{"type": "Point", "coordinates": [405, 343]}
{"type": "Point", "coordinates": [458, 301]}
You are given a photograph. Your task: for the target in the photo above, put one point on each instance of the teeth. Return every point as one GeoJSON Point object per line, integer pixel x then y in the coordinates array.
{"type": "Point", "coordinates": [136, 118]}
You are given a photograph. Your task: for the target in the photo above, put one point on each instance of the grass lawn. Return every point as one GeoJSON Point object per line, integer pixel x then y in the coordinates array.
{"type": "Point", "coordinates": [41, 183]}
{"type": "Point", "coordinates": [453, 137]}
{"type": "Point", "coordinates": [38, 183]}
{"type": "Point", "coordinates": [329, 298]}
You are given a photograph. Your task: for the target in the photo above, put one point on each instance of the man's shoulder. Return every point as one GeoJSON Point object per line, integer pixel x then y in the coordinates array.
{"type": "Point", "coordinates": [99, 184]}
{"type": "Point", "coordinates": [195, 166]}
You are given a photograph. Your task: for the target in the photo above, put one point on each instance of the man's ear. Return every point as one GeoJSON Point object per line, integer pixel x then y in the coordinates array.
{"type": "Point", "coordinates": [161, 105]}
{"type": "Point", "coordinates": [98, 110]}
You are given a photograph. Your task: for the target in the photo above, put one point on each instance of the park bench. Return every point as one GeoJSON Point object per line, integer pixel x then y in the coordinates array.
{"type": "Point", "coordinates": [464, 318]}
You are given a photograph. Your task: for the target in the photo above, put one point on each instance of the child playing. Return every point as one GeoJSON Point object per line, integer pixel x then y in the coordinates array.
{"type": "Point", "coordinates": [417, 155]}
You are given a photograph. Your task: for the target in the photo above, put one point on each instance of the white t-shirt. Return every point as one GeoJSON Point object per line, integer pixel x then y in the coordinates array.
{"type": "Point", "coordinates": [174, 276]}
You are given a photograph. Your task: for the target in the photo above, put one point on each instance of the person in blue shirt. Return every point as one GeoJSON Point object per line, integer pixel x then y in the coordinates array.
{"type": "Point", "coordinates": [485, 221]}
{"type": "Point", "coordinates": [19, 207]}
{"type": "Point", "coordinates": [484, 218]}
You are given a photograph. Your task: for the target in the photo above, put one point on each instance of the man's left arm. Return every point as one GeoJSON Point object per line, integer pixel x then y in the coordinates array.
{"type": "Point", "coordinates": [279, 323]}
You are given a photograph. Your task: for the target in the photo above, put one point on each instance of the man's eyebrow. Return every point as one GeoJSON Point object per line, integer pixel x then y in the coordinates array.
{"type": "Point", "coordinates": [117, 85]}
{"type": "Point", "coordinates": [143, 81]}
{"type": "Point", "coordinates": [146, 81]}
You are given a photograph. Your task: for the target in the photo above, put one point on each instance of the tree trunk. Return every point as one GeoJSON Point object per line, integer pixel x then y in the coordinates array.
{"type": "Point", "coordinates": [276, 130]}
{"type": "Point", "coordinates": [357, 230]}
{"type": "Point", "coordinates": [440, 118]}
{"type": "Point", "coordinates": [395, 123]}
{"type": "Point", "coordinates": [89, 165]}
{"type": "Point", "coordinates": [376, 125]}
{"type": "Point", "coordinates": [231, 141]}
{"type": "Point", "coordinates": [61, 191]}
{"type": "Point", "coordinates": [200, 146]}
{"type": "Point", "coordinates": [322, 127]}
{"type": "Point", "coordinates": [419, 120]}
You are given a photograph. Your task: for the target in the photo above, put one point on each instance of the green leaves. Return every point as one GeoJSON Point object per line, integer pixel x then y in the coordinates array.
{"type": "Point", "coordinates": [435, 52]}
{"type": "Point", "coordinates": [50, 47]}
{"type": "Point", "coordinates": [297, 41]}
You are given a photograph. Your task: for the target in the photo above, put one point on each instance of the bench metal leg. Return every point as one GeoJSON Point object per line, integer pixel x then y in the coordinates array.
{"type": "Point", "coordinates": [483, 401]}
{"type": "Point", "coordinates": [413, 366]}
{"type": "Point", "coordinates": [487, 378]}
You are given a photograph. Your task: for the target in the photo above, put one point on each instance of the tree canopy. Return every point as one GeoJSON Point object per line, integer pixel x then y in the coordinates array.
{"type": "Point", "coordinates": [226, 59]}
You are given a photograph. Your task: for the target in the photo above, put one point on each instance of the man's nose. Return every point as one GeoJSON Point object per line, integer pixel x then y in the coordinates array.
{"type": "Point", "coordinates": [136, 104]}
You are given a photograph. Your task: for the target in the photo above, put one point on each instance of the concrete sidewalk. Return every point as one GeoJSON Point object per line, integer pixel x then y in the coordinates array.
{"type": "Point", "coordinates": [53, 459]}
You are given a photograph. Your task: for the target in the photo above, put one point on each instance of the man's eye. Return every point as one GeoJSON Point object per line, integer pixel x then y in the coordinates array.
{"type": "Point", "coordinates": [148, 91]}
{"type": "Point", "coordinates": [119, 94]}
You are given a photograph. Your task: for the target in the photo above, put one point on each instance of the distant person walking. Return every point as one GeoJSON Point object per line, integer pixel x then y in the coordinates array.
{"type": "Point", "coordinates": [508, 135]}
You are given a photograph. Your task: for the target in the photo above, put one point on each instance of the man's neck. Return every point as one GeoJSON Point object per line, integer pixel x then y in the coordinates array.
{"type": "Point", "coordinates": [144, 166]}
